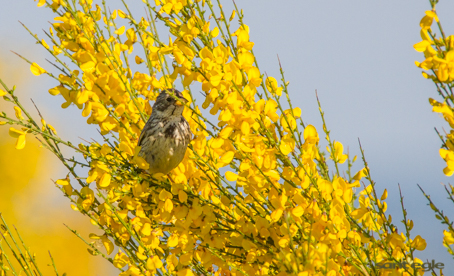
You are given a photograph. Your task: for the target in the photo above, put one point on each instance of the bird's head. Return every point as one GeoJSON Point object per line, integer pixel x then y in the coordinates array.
{"type": "Point", "coordinates": [170, 102]}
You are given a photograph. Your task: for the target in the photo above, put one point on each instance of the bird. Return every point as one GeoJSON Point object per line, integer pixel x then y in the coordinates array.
{"type": "Point", "coordinates": [166, 135]}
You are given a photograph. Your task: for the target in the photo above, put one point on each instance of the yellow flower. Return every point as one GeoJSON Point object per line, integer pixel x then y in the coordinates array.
{"type": "Point", "coordinates": [105, 180]}
{"type": "Point", "coordinates": [338, 154]}
{"type": "Point", "coordinates": [287, 144]}
{"type": "Point", "coordinates": [44, 44]}
{"type": "Point", "coordinates": [448, 237]}
{"type": "Point", "coordinates": [107, 244]}
{"type": "Point", "coordinates": [271, 85]}
{"type": "Point", "coordinates": [154, 263]}
{"type": "Point", "coordinates": [41, 2]}
{"type": "Point", "coordinates": [120, 31]}
{"type": "Point", "coordinates": [120, 260]}
{"type": "Point", "coordinates": [419, 243]}
{"type": "Point", "coordinates": [448, 156]}
{"type": "Point", "coordinates": [427, 20]}
{"type": "Point", "coordinates": [20, 135]}
{"type": "Point", "coordinates": [63, 182]}
{"type": "Point", "coordinates": [310, 135]}
{"type": "Point", "coordinates": [18, 113]}
{"type": "Point", "coordinates": [422, 46]}
{"type": "Point", "coordinates": [36, 69]}
{"type": "Point", "coordinates": [138, 60]}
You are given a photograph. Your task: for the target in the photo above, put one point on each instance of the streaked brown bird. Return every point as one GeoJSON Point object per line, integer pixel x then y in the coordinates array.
{"type": "Point", "coordinates": [166, 135]}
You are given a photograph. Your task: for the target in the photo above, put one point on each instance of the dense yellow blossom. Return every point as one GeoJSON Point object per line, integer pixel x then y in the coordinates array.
{"type": "Point", "coordinates": [277, 210]}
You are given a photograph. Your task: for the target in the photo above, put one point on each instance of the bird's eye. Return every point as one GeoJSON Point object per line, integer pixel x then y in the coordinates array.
{"type": "Point", "coordinates": [169, 99]}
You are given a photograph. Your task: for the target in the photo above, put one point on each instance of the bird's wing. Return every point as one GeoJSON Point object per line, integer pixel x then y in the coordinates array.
{"type": "Point", "coordinates": [145, 130]}
{"type": "Point", "coordinates": [142, 134]}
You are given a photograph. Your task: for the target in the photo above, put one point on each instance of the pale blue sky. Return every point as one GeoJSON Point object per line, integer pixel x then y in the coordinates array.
{"type": "Point", "coordinates": [359, 57]}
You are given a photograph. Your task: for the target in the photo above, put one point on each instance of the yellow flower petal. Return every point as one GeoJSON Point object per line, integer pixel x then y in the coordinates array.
{"type": "Point", "coordinates": [182, 196]}
{"type": "Point", "coordinates": [120, 31]}
{"type": "Point", "coordinates": [277, 214]}
{"type": "Point", "coordinates": [138, 60]}
{"type": "Point", "coordinates": [421, 46]}
{"type": "Point", "coordinates": [338, 153]}
{"type": "Point", "coordinates": [164, 195]}
{"type": "Point", "coordinates": [419, 243]}
{"type": "Point", "coordinates": [121, 13]}
{"type": "Point", "coordinates": [63, 182]}
{"type": "Point", "coordinates": [36, 69]}
{"type": "Point", "coordinates": [120, 260]}
{"type": "Point", "coordinates": [41, 3]}
{"type": "Point", "coordinates": [88, 67]}
{"type": "Point", "coordinates": [15, 133]}
{"type": "Point", "coordinates": [18, 113]}
{"type": "Point", "coordinates": [287, 145]}
{"type": "Point", "coordinates": [426, 22]}
{"type": "Point", "coordinates": [230, 176]}
{"type": "Point", "coordinates": [20, 143]}
{"type": "Point", "coordinates": [298, 211]}
{"type": "Point", "coordinates": [45, 44]}
{"type": "Point", "coordinates": [311, 135]}
{"type": "Point", "coordinates": [172, 241]}
{"type": "Point", "coordinates": [448, 237]}
{"type": "Point", "coordinates": [215, 32]}
{"type": "Point", "coordinates": [297, 112]}
{"type": "Point", "coordinates": [107, 244]}
{"type": "Point", "coordinates": [105, 180]}
{"type": "Point", "coordinates": [227, 157]}
{"type": "Point", "coordinates": [154, 263]}
{"type": "Point", "coordinates": [432, 14]}
{"type": "Point", "coordinates": [168, 205]}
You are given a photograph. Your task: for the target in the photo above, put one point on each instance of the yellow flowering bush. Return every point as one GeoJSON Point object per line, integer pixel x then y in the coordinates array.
{"type": "Point", "coordinates": [254, 195]}
{"type": "Point", "coordinates": [438, 66]}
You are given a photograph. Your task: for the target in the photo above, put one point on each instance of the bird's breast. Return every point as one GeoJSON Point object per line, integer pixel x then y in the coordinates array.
{"type": "Point", "coordinates": [165, 144]}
